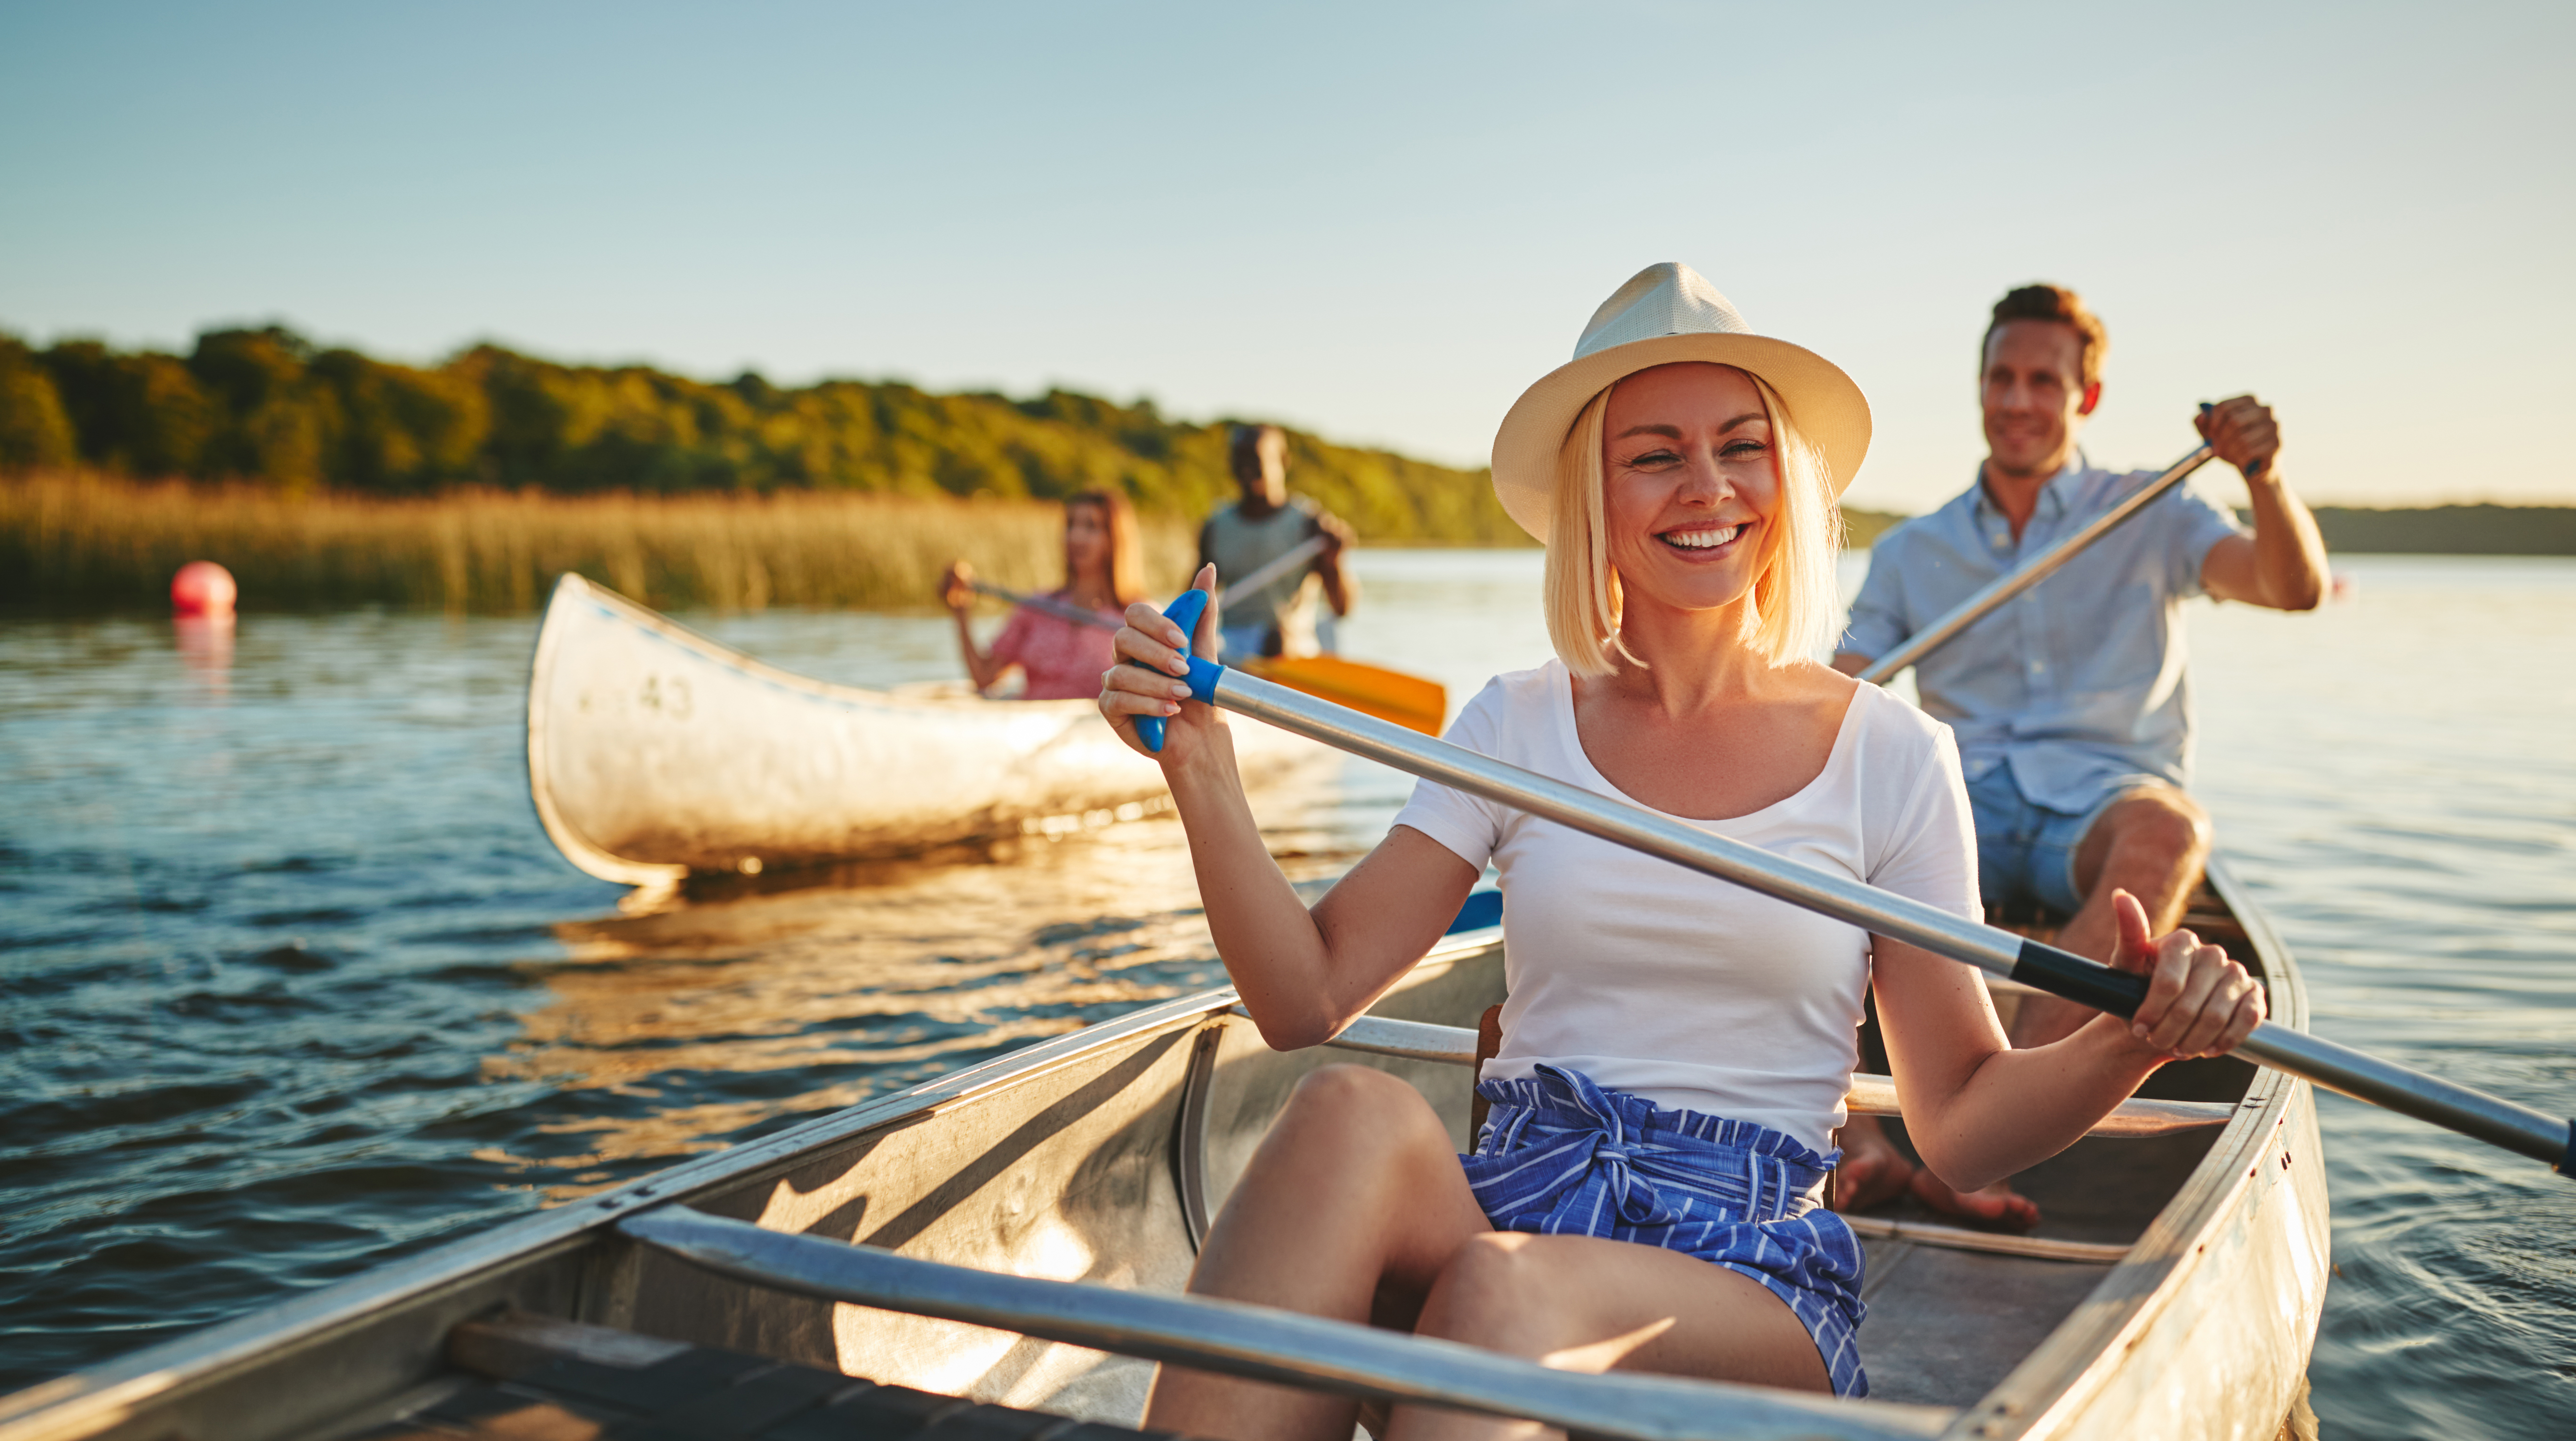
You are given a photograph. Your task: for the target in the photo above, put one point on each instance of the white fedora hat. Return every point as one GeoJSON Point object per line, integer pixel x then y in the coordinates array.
{"type": "Point", "coordinates": [1667, 313]}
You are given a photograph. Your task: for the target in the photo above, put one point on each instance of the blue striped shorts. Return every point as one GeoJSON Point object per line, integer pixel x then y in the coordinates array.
{"type": "Point", "coordinates": [1559, 1156]}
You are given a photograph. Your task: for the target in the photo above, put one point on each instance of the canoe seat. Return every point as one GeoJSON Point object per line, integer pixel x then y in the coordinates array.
{"type": "Point", "coordinates": [526, 1377]}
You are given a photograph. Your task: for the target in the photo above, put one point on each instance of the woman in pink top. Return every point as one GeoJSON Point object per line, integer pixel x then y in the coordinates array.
{"type": "Point", "coordinates": [1103, 573]}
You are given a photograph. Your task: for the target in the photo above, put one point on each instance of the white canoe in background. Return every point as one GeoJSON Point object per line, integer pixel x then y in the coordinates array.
{"type": "Point", "coordinates": [654, 752]}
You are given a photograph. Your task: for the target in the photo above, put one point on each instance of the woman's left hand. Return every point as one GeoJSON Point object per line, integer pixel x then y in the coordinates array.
{"type": "Point", "coordinates": [2200, 1002]}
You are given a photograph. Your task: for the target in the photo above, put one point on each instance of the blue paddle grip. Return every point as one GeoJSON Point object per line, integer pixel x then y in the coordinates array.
{"type": "Point", "coordinates": [1185, 613]}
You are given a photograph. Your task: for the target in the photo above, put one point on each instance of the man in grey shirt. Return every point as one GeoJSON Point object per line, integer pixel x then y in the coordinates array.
{"type": "Point", "coordinates": [2071, 705]}
{"type": "Point", "coordinates": [1264, 524]}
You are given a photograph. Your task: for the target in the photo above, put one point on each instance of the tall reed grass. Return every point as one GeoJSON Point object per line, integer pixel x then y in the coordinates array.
{"type": "Point", "coordinates": [82, 541]}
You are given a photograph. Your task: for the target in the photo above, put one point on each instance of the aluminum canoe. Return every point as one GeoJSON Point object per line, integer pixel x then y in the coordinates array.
{"type": "Point", "coordinates": [654, 752]}
{"type": "Point", "coordinates": [2173, 1291]}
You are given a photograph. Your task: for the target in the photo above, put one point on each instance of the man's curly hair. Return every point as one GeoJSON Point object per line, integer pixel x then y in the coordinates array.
{"type": "Point", "coordinates": [2052, 302]}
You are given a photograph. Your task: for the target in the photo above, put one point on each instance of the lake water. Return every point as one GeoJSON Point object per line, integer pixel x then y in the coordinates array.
{"type": "Point", "coordinates": [292, 984]}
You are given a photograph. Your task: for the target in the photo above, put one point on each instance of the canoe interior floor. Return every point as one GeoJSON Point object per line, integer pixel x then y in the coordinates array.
{"type": "Point", "coordinates": [1945, 1326]}
{"type": "Point", "coordinates": [521, 1377]}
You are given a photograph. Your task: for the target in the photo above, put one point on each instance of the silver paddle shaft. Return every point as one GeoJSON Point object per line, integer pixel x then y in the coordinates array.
{"type": "Point", "coordinates": [2038, 568]}
{"type": "Point", "coordinates": [2447, 1104]}
{"type": "Point", "coordinates": [1995, 951]}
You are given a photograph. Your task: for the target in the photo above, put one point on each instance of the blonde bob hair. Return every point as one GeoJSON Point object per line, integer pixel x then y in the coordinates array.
{"type": "Point", "coordinates": [1795, 601]}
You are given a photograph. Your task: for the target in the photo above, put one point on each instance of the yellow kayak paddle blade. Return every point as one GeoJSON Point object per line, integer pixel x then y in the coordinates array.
{"type": "Point", "coordinates": [1408, 700]}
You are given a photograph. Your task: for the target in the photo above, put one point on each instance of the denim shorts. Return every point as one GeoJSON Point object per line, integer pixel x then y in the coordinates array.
{"type": "Point", "coordinates": [1560, 1156]}
{"type": "Point", "coordinates": [2026, 851]}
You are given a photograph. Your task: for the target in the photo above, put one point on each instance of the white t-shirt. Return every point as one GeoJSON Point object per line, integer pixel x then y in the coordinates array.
{"type": "Point", "coordinates": [1692, 992]}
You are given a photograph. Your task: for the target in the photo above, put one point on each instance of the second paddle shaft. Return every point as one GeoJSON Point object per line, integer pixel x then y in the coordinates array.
{"type": "Point", "coordinates": [1062, 610]}
{"type": "Point", "coordinates": [1999, 952]}
{"type": "Point", "coordinates": [2038, 568]}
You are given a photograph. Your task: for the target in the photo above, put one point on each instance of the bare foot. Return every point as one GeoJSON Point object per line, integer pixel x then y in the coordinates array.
{"type": "Point", "coordinates": [1871, 1171]}
{"type": "Point", "coordinates": [1996, 1206]}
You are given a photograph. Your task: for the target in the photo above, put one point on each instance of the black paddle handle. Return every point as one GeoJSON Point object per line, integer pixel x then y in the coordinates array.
{"type": "Point", "coordinates": [2090, 983]}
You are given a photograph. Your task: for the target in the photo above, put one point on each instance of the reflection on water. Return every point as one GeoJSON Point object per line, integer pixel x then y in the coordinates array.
{"type": "Point", "coordinates": [798, 995]}
{"type": "Point", "coordinates": [206, 649]}
{"type": "Point", "coordinates": [295, 985]}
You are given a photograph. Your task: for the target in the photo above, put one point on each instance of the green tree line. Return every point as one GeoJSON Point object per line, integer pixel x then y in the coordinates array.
{"type": "Point", "coordinates": [266, 406]}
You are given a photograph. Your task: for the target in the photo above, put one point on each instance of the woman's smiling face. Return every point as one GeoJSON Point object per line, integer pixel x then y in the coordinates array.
{"type": "Point", "coordinates": [1689, 492]}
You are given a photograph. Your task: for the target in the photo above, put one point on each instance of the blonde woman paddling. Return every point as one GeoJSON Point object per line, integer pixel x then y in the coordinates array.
{"type": "Point", "coordinates": [1645, 1192]}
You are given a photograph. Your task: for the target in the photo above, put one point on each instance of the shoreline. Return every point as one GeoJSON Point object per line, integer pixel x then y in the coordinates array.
{"type": "Point", "coordinates": [75, 542]}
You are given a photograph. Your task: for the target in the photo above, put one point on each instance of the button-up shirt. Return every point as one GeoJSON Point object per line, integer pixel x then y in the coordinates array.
{"type": "Point", "coordinates": [2077, 683]}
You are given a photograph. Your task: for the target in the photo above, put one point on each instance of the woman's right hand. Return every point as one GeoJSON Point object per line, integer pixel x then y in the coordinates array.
{"type": "Point", "coordinates": [2200, 1001]}
{"type": "Point", "coordinates": [1154, 686]}
{"type": "Point", "coordinates": [957, 587]}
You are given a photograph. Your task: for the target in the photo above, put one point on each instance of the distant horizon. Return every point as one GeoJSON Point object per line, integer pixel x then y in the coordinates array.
{"type": "Point", "coordinates": [1376, 224]}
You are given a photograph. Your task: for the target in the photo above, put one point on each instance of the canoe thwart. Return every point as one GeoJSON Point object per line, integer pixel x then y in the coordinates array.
{"type": "Point", "coordinates": [1876, 1096]}
{"type": "Point", "coordinates": [564, 1379]}
{"type": "Point", "coordinates": [1262, 1344]}
{"type": "Point", "coordinates": [514, 1343]}
{"type": "Point", "coordinates": [1960, 1238]}
{"type": "Point", "coordinates": [1870, 1095]}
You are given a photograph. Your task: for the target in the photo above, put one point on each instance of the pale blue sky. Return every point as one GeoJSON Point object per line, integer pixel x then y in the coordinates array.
{"type": "Point", "coordinates": [1379, 221]}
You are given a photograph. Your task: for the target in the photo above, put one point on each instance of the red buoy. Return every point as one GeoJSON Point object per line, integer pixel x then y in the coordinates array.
{"type": "Point", "coordinates": [203, 588]}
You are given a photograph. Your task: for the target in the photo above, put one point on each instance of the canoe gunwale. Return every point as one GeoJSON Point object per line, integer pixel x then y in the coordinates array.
{"type": "Point", "coordinates": [2051, 1386]}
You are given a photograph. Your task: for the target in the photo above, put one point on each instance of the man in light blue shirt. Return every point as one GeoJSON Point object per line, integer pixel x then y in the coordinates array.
{"type": "Point", "coordinates": [2071, 703]}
